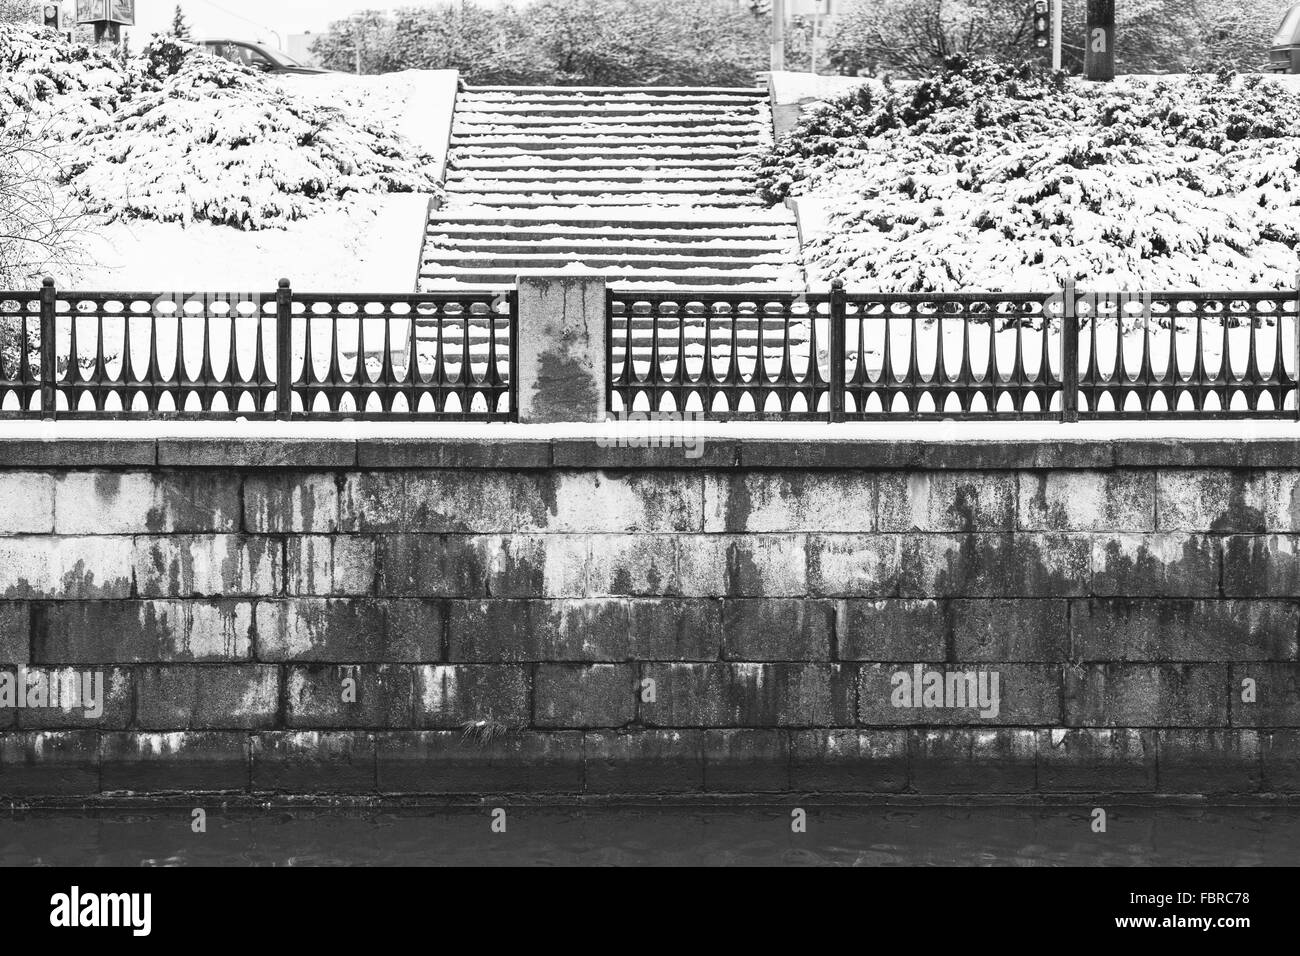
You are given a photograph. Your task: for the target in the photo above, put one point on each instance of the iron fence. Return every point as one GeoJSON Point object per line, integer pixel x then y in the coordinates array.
{"type": "Point", "coordinates": [843, 356]}
{"type": "Point", "coordinates": [833, 355]}
{"type": "Point", "coordinates": [280, 355]}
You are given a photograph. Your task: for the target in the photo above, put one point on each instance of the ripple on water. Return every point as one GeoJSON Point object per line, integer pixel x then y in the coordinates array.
{"type": "Point", "coordinates": [616, 836]}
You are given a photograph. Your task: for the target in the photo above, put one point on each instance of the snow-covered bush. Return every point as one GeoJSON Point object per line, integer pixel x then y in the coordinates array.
{"type": "Point", "coordinates": [1004, 177]}
{"type": "Point", "coordinates": [215, 142]}
{"type": "Point", "coordinates": [177, 135]}
{"type": "Point", "coordinates": [56, 86]}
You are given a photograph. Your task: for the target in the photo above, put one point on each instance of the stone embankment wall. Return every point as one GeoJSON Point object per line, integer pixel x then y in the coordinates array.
{"type": "Point", "coordinates": [450, 617]}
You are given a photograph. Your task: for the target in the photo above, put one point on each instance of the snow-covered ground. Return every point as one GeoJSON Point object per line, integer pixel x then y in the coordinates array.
{"type": "Point", "coordinates": [373, 246]}
{"type": "Point", "coordinates": [196, 174]}
{"type": "Point", "coordinates": [808, 89]}
{"type": "Point", "coordinates": [416, 104]}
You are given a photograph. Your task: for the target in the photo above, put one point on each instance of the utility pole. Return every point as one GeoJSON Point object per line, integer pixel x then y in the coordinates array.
{"type": "Point", "coordinates": [1058, 14]}
{"type": "Point", "coordinates": [1099, 44]}
{"type": "Point", "coordinates": [816, 20]}
{"type": "Point", "coordinates": [778, 36]}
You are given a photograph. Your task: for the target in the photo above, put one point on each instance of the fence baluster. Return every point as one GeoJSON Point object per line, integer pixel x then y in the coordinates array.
{"type": "Point", "coordinates": [48, 307]}
{"type": "Point", "coordinates": [837, 348]}
{"type": "Point", "coordinates": [1069, 354]}
{"type": "Point", "coordinates": [284, 351]}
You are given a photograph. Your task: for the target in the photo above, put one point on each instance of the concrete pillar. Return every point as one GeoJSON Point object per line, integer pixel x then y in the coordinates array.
{"type": "Point", "coordinates": [561, 348]}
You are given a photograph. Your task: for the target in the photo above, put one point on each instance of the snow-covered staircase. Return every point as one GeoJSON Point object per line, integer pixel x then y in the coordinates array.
{"type": "Point", "coordinates": [648, 185]}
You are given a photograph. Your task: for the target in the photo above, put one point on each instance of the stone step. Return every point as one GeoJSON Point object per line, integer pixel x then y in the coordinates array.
{"type": "Point", "coordinates": [592, 164]}
{"type": "Point", "coordinates": [576, 138]}
{"type": "Point", "coordinates": [583, 187]}
{"type": "Point", "coordinates": [567, 221]}
{"type": "Point", "coordinates": [619, 247]}
{"type": "Point", "coordinates": [613, 148]}
{"type": "Point", "coordinates": [516, 121]}
{"type": "Point", "coordinates": [435, 259]}
{"type": "Point", "coordinates": [608, 174]}
{"type": "Point", "coordinates": [623, 128]}
{"type": "Point", "coordinates": [560, 154]}
{"type": "Point", "coordinates": [679, 244]}
{"type": "Point", "coordinates": [615, 92]}
{"type": "Point", "coordinates": [628, 107]}
{"type": "Point", "coordinates": [606, 108]}
{"type": "Point", "coordinates": [629, 201]}
{"type": "Point", "coordinates": [614, 229]}
{"type": "Point", "coordinates": [506, 278]}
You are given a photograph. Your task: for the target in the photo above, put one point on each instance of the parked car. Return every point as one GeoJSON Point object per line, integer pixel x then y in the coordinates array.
{"type": "Point", "coordinates": [1284, 56]}
{"type": "Point", "coordinates": [259, 56]}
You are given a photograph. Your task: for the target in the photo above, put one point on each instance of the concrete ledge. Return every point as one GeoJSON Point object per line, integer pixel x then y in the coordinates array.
{"type": "Point", "coordinates": [255, 453]}
{"type": "Point", "coordinates": [78, 453]}
{"type": "Point", "coordinates": [536, 447]}
{"type": "Point", "coordinates": [441, 453]}
{"type": "Point", "coordinates": [696, 452]}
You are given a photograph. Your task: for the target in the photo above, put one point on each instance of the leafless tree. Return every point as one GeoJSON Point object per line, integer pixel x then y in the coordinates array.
{"type": "Point", "coordinates": [913, 37]}
{"type": "Point", "coordinates": [39, 220]}
{"type": "Point", "coordinates": [39, 231]}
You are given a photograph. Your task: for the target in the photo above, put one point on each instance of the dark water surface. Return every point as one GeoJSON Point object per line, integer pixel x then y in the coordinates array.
{"type": "Point", "coordinates": [658, 836]}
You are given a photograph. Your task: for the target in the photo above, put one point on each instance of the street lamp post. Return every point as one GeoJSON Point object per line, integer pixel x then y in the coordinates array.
{"type": "Point", "coordinates": [778, 35]}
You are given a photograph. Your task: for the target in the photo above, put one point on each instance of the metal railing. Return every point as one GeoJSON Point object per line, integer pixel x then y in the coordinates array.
{"type": "Point", "coordinates": [281, 355]}
{"type": "Point", "coordinates": [843, 356]}
{"type": "Point", "coordinates": [823, 356]}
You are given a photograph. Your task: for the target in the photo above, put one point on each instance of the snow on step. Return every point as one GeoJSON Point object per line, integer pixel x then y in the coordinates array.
{"type": "Point", "coordinates": [651, 186]}
{"type": "Point", "coordinates": [585, 117]}
{"type": "Point", "coordinates": [597, 187]}
{"type": "Point", "coordinates": [619, 173]}
{"type": "Point", "coordinates": [509, 164]}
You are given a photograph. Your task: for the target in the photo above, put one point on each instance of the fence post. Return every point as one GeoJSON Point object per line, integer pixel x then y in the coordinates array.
{"type": "Point", "coordinates": [48, 366]}
{"type": "Point", "coordinates": [283, 351]}
{"type": "Point", "coordinates": [1069, 354]}
{"type": "Point", "coordinates": [561, 350]}
{"type": "Point", "coordinates": [837, 344]}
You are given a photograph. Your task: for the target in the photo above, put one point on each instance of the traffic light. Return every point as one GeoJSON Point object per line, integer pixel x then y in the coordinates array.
{"type": "Point", "coordinates": [53, 13]}
{"type": "Point", "coordinates": [1042, 24]}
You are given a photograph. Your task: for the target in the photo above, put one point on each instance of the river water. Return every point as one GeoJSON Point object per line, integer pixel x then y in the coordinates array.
{"type": "Point", "coordinates": [659, 835]}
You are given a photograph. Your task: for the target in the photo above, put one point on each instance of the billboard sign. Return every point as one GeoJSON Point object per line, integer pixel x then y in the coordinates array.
{"type": "Point", "coordinates": [808, 8]}
{"type": "Point", "coordinates": [106, 11]}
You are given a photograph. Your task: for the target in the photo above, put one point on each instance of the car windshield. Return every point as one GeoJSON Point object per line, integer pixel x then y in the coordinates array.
{"type": "Point", "coordinates": [250, 55]}
{"type": "Point", "coordinates": [1286, 33]}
